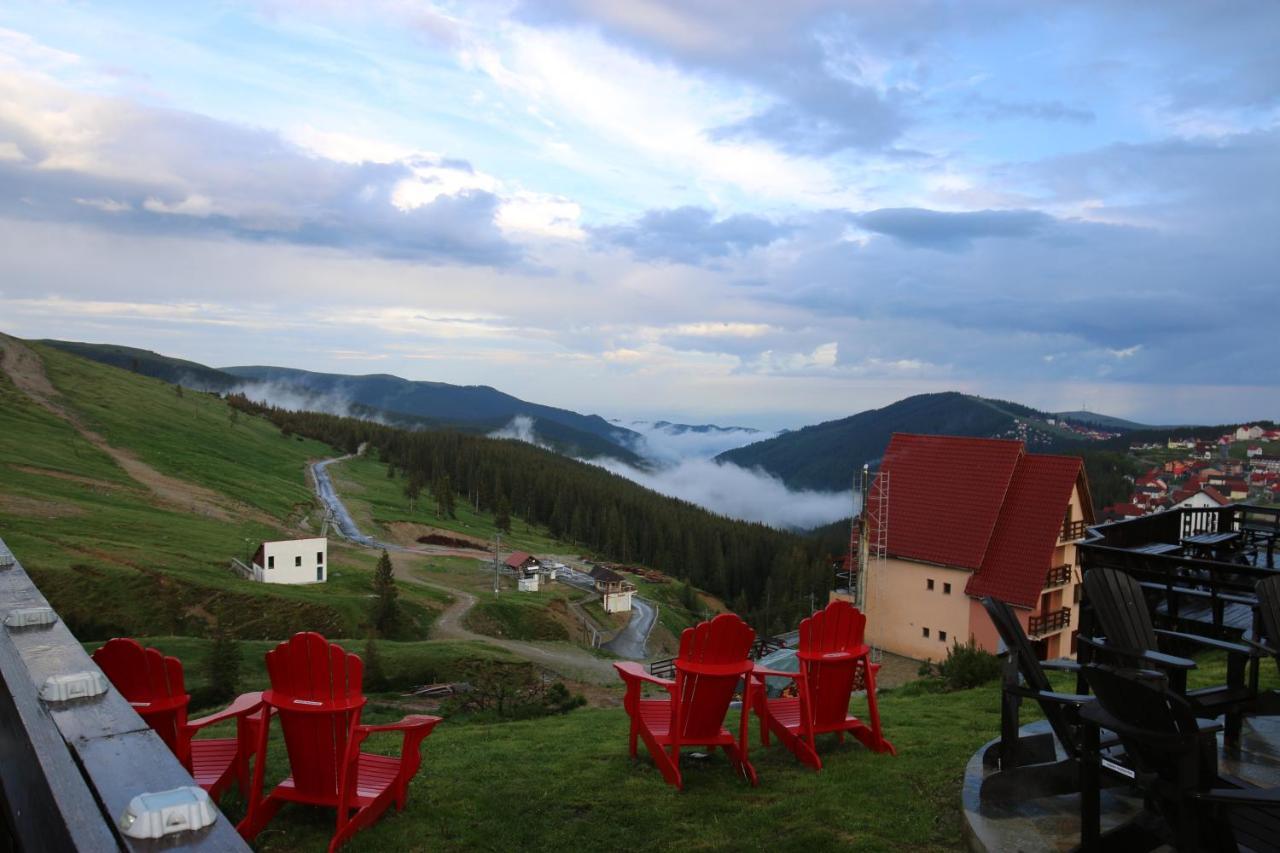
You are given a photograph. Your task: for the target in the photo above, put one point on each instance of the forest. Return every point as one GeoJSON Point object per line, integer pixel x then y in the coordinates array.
{"type": "Point", "coordinates": [768, 576]}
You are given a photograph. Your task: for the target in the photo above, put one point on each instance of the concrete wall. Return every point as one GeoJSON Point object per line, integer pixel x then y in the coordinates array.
{"type": "Point", "coordinates": [617, 602]}
{"type": "Point", "coordinates": [900, 606]}
{"type": "Point", "coordinates": [295, 561]}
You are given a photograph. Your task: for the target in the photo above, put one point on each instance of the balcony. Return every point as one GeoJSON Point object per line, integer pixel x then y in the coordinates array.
{"type": "Point", "coordinates": [1057, 576]}
{"type": "Point", "coordinates": [1041, 624]}
{"type": "Point", "coordinates": [1073, 531]}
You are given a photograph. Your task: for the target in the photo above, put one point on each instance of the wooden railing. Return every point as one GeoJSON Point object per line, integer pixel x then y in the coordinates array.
{"type": "Point", "coordinates": [1073, 531]}
{"type": "Point", "coordinates": [1046, 623]}
{"type": "Point", "coordinates": [1057, 576]}
{"type": "Point", "coordinates": [68, 770]}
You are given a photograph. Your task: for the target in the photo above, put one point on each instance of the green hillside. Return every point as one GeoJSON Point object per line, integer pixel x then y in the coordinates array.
{"type": "Point", "coordinates": [827, 455]}
{"type": "Point", "coordinates": [116, 555]}
{"type": "Point", "coordinates": [153, 364]}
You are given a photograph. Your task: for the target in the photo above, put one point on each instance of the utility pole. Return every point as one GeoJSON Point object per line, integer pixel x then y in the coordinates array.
{"type": "Point", "coordinates": [497, 550]}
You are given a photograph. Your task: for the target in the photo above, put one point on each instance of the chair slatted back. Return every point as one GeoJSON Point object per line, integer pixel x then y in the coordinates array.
{"type": "Point", "coordinates": [317, 691]}
{"type": "Point", "coordinates": [1120, 608]}
{"type": "Point", "coordinates": [713, 658]}
{"type": "Point", "coordinates": [1017, 644]}
{"type": "Point", "coordinates": [1154, 718]}
{"type": "Point", "coordinates": [153, 684]}
{"type": "Point", "coordinates": [828, 641]}
{"type": "Point", "coordinates": [1268, 592]}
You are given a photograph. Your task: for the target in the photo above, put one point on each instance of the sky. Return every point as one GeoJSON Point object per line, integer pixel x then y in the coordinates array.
{"type": "Point", "coordinates": [730, 211]}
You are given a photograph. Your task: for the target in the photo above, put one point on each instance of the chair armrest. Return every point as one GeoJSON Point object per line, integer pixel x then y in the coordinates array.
{"type": "Point", "coordinates": [1158, 659]}
{"type": "Point", "coordinates": [1221, 645]}
{"type": "Point", "coordinates": [764, 673]}
{"type": "Point", "coordinates": [245, 703]}
{"type": "Point", "coordinates": [409, 723]}
{"type": "Point", "coordinates": [633, 673]}
{"type": "Point", "coordinates": [1062, 698]}
{"type": "Point", "coordinates": [1060, 665]}
{"type": "Point", "coordinates": [1259, 649]}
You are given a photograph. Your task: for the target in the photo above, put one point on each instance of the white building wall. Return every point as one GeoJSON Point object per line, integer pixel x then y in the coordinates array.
{"type": "Point", "coordinates": [295, 561]}
{"type": "Point", "coordinates": [617, 602]}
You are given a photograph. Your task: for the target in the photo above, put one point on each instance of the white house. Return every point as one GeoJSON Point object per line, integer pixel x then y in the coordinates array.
{"type": "Point", "coordinates": [1207, 497]}
{"type": "Point", "coordinates": [292, 561]}
{"type": "Point", "coordinates": [615, 593]}
{"type": "Point", "coordinates": [1248, 433]}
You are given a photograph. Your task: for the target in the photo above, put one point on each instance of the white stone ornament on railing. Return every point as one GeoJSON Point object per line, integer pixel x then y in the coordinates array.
{"type": "Point", "coordinates": [75, 685]}
{"type": "Point", "coordinates": [6, 560]}
{"type": "Point", "coordinates": [167, 813]}
{"type": "Point", "coordinates": [30, 617]}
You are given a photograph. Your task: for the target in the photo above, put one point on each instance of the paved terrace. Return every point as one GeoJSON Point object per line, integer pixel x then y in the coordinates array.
{"type": "Point", "coordinates": [69, 769]}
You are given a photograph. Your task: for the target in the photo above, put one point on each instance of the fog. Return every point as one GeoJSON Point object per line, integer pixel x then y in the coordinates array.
{"type": "Point", "coordinates": [295, 398]}
{"type": "Point", "coordinates": [671, 443]}
{"type": "Point", "coordinates": [521, 429]}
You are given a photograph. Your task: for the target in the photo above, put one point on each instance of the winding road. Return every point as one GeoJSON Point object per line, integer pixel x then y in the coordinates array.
{"type": "Point", "coordinates": [569, 661]}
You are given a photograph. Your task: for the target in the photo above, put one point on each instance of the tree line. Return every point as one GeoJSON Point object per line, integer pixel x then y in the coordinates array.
{"type": "Point", "coordinates": [768, 576]}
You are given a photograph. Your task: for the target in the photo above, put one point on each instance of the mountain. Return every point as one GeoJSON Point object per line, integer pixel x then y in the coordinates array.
{"type": "Point", "coordinates": [478, 406]}
{"type": "Point", "coordinates": [827, 455]}
{"type": "Point", "coordinates": [147, 363]}
{"type": "Point", "coordinates": [390, 399]}
{"type": "Point", "coordinates": [1103, 421]}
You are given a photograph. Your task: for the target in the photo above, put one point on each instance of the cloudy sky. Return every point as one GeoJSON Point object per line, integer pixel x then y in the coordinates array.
{"type": "Point", "coordinates": [731, 210]}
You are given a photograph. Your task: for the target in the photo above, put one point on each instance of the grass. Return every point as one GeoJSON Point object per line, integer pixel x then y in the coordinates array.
{"type": "Point", "coordinates": [566, 783]}
{"type": "Point", "coordinates": [114, 561]}
{"type": "Point", "coordinates": [522, 616]}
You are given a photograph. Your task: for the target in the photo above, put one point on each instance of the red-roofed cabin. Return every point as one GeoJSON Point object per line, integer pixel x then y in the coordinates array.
{"type": "Point", "coordinates": [529, 571]}
{"type": "Point", "coordinates": [969, 517]}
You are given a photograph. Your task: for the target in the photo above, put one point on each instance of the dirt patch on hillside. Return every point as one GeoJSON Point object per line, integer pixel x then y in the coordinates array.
{"type": "Point", "coordinates": [409, 533]}
{"type": "Point", "coordinates": [25, 369]}
{"type": "Point", "coordinates": [97, 485]}
{"type": "Point", "coordinates": [35, 508]}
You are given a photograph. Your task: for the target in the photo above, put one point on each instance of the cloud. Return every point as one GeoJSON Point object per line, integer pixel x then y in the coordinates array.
{"type": "Point", "coordinates": [667, 443]}
{"type": "Point", "coordinates": [937, 229]}
{"type": "Point", "coordinates": [690, 235]}
{"type": "Point", "coordinates": [748, 495]}
{"type": "Point", "coordinates": [1052, 110]}
{"type": "Point", "coordinates": [521, 428]}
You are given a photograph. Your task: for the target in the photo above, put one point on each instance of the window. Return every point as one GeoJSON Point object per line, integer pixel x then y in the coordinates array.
{"type": "Point", "coordinates": [924, 632]}
{"type": "Point", "coordinates": [319, 558]}
{"type": "Point", "coordinates": [942, 636]}
{"type": "Point", "coordinates": [319, 573]}
{"type": "Point", "coordinates": [271, 562]}
{"type": "Point", "coordinates": [946, 589]}
{"type": "Point", "coordinates": [297, 561]}
{"type": "Point", "coordinates": [928, 584]}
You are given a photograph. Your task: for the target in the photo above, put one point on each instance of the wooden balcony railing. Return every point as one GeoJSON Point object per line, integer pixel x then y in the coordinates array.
{"type": "Point", "coordinates": [1057, 576]}
{"type": "Point", "coordinates": [1073, 531]}
{"type": "Point", "coordinates": [1046, 623]}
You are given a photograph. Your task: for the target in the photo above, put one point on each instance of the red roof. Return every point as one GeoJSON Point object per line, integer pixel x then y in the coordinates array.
{"type": "Point", "coordinates": [945, 495]}
{"type": "Point", "coordinates": [1030, 522]}
{"type": "Point", "coordinates": [1216, 495]}
{"type": "Point", "coordinates": [517, 559]}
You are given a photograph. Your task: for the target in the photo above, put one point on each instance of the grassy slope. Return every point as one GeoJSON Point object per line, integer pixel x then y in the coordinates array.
{"type": "Point", "coordinates": [113, 561]}
{"type": "Point", "coordinates": [566, 783]}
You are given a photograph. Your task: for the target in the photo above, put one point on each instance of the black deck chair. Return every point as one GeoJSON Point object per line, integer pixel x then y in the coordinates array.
{"type": "Point", "coordinates": [1173, 760]}
{"type": "Point", "coordinates": [1028, 765]}
{"type": "Point", "coordinates": [1130, 640]}
{"type": "Point", "coordinates": [1266, 639]}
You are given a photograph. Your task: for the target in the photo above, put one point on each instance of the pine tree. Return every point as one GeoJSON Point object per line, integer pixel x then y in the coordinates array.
{"type": "Point", "coordinates": [375, 678]}
{"type": "Point", "coordinates": [689, 598]}
{"type": "Point", "coordinates": [223, 665]}
{"type": "Point", "coordinates": [412, 489]}
{"type": "Point", "coordinates": [502, 516]}
{"type": "Point", "coordinates": [386, 610]}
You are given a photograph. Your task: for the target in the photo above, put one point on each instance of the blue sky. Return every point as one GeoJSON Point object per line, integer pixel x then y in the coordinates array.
{"type": "Point", "coordinates": [705, 211]}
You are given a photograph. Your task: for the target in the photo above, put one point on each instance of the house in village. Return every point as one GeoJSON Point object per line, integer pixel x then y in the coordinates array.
{"type": "Point", "coordinates": [292, 561]}
{"type": "Point", "coordinates": [531, 574]}
{"type": "Point", "coordinates": [615, 592]}
{"type": "Point", "coordinates": [966, 518]}
{"type": "Point", "coordinates": [1199, 497]}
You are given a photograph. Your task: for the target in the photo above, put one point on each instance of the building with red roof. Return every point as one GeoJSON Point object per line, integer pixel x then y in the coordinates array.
{"type": "Point", "coordinates": [966, 518]}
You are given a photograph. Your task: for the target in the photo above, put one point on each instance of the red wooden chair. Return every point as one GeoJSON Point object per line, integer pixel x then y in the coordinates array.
{"type": "Point", "coordinates": [712, 663]}
{"type": "Point", "coordinates": [316, 692]}
{"type": "Point", "coordinates": [833, 659]}
{"type": "Point", "coordinates": [152, 683]}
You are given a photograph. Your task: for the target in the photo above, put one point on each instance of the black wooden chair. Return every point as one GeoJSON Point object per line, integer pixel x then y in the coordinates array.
{"type": "Point", "coordinates": [1173, 759]}
{"type": "Point", "coordinates": [1028, 765]}
{"type": "Point", "coordinates": [1131, 640]}
{"type": "Point", "coordinates": [1266, 639]}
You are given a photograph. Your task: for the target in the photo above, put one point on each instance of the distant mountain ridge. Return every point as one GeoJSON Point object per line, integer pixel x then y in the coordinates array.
{"type": "Point", "coordinates": [1108, 422]}
{"type": "Point", "coordinates": [826, 456]}
{"type": "Point", "coordinates": [401, 402]}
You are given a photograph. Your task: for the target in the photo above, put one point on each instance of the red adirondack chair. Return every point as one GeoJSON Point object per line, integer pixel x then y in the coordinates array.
{"type": "Point", "coordinates": [711, 664]}
{"type": "Point", "coordinates": [316, 692]}
{"type": "Point", "coordinates": [152, 683]}
{"type": "Point", "coordinates": [832, 656]}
